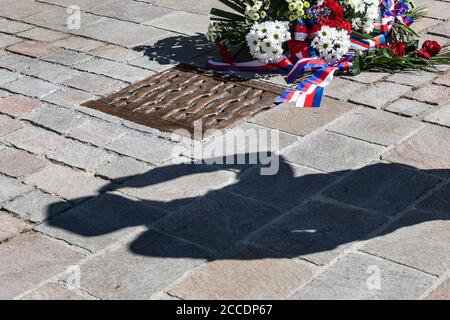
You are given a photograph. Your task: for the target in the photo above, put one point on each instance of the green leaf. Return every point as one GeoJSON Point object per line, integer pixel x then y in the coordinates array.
{"type": "Point", "coordinates": [356, 69]}
{"type": "Point", "coordinates": [238, 7]}
{"type": "Point", "coordinates": [226, 14]}
{"type": "Point", "coordinates": [412, 45]}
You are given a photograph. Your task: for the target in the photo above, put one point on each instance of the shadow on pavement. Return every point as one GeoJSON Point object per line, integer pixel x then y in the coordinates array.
{"type": "Point", "coordinates": [348, 210]}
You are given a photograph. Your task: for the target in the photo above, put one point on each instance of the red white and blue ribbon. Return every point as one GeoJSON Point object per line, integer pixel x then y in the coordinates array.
{"type": "Point", "coordinates": [390, 12]}
{"type": "Point", "coordinates": [308, 94]}
{"type": "Point", "coordinates": [282, 65]}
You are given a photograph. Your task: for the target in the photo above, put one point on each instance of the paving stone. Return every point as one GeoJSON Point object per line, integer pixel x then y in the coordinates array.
{"type": "Point", "coordinates": [424, 24]}
{"type": "Point", "coordinates": [101, 221]}
{"type": "Point", "coordinates": [67, 183]}
{"type": "Point", "coordinates": [131, 11]}
{"type": "Point", "coordinates": [442, 30]}
{"type": "Point", "coordinates": [4, 93]}
{"type": "Point", "coordinates": [388, 188]}
{"type": "Point", "coordinates": [17, 163]}
{"type": "Point", "coordinates": [415, 79]}
{"type": "Point", "coordinates": [83, 4]}
{"type": "Point", "coordinates": [291, 185]}
{"type": "Point", "coordinates": [419, 240]}
{"type": "Point", "coordinates": [51, 72]}
{"type": "Point", "coordinates": [170, 186]}
{"type": "Point", "coordinates": [78, 44]}
{"type": "Point", "coordinates": [427, 150]}
{"type": "Point", "coordinates": [114, 70]}
{"type": "Point", "coordinates": [97, 132]}
{"type": "Point", "coordinates": [44, 259]}
{"type": "Point", "coordinates": [355, 277]}
{"type": "Point", "coordinates": [154, 64]}
{"type": "Point", "coordinates": [34, 140]}
{"type": "Point", "coordinates": [31, 87]}
{"type": "Point", "coordinates": [342, 153]}
{"type": "Point", "coordinates": [10, 226]}
{"type": "Point", "coordinates": [7, 76]}
{"type": "Point", "coordinates": [368, 77]}
{"type": "Point", "coordinates": [96, 84]}
{"type": "Point", "coordinates": [435, 9]}
{"type": "Point", "coordinates": [41, 34]}
{"type": "Point", "coordinates": [286, 117]}
{"type": "Point", "coordinates": [56, 18]}
{"type": "Point", "coordinates": [318, 231]}
{"type": "Point", "coordinates": [380, 94]}
{"type": "Point", "coordinates": [21, 9]}
{"type": "Point", "coordinates": [81, 156]}
{"type": "Point", "coordinates": [438, 202]}
{"type": "Point", "coordinates": [444, 80]}
{"type": "Point", "coordinates": [432, 94]}
{"type": "Point", "coordinates": [11, 188]}
{"type": "Point", "coordinates": [123, 33]}
{"type": "Point", "coordinates": [142, 147]}
{"type": "Point", "coordinates": [192, 23]}
{"type": "Point", "coordinates": [122, 168]}
{"type": "Point", "coordinates": [35, 49]}
{"type": "Point", "coordinates": [140, 268]}
{"type": "Point", "coordinates": [16, 62]}
{"type": "Point", "coordinates": [200, 6]}
{"type": "Point", "coordinates": [217, 220]}
{"type": "Point", "coordinates": [67, 57]}
{"type": "Point", "coordinates": [440, 116]}
{"type": "Point", "coordinates": [17, 106]}
{"type": "Point", "coordinates": [7, 40]}
{"type": "Point", "coordinates": [115, 53]}
{"type": "Point", "coordinates": [57, 119]}
{"type": "Point", "coordinates": [69, 98]}
{"type": "Point", "coordinates": [9, 26]}
{"type": "Point", "coordinates": [243, 140]}
{"type": "Point", "coordinates": [8, 125]}
{"type": "Point", "coordinates": [343, 89]}
{"type": "Point", "coordinates": [245, 273]}
{"type": "Point", "coordinates": [54, 291]}
{"type": "Point", "coordinates": [408, 107]}
{"type": "Point", "coordinates": [35, 206]}
{"type": "Point", "coordinates": [442, 292]}
{"type": "Point", "coordinates": [375, 126]}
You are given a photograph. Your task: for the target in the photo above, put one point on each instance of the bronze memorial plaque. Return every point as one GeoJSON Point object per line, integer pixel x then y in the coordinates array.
{"type": "Point", "coordinates": [178, 97]}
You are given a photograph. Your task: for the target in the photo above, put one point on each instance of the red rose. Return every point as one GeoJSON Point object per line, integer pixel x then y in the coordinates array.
{"type": "Point", "coordinates": [422, 53]}
{"type": "Point", "coordinates": [399, 49]}
{"type": "Point", "coordinates": [432, 47]}
{"type": "Point", "coordinates": [224, 52]}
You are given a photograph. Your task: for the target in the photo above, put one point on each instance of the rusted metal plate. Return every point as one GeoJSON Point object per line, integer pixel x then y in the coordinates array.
{"type": "Point", "coordinates": [178, 97]}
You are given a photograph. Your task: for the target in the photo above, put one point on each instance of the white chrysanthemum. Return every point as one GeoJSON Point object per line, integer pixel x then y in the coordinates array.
{"type": "Point", "coordinates": [366, 12]}
{"type": "Point", "coordinates": [265, 40]}
{"type": "Point", "coordinates": [331, 44]}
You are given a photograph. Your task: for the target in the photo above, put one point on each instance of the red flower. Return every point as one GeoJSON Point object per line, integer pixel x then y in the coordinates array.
{"type": "Point", "coordinates": [422, 53]}
{"type": "Point", "coordinates": [335, 19]}
{"type": "Point", "coordinates": [224, 52]}
{"type": "Point", "coordinates": [432, 47]}
{"type": "Point", "coordinates": [399, 49]}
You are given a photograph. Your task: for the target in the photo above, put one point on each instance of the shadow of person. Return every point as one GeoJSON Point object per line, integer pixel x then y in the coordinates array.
{"type": "Point", "coordinates": [297, 212]}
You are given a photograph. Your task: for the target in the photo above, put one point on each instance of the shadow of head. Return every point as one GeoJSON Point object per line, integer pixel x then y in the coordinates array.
{"type": "Point", "coordinates": [200, 210]}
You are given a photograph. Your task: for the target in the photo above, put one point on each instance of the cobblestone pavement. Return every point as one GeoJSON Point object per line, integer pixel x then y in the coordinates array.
{"type": "Point", "coordinates": [95, 207]}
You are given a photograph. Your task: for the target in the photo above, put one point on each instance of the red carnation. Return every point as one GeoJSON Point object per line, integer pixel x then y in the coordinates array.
{"type": "Point", "coordinates": [422, 53]}
{"type": "Point", "coordinates": [224, 52]}
{"type": "Point", "coordinates": [432, 47]}
{"type": "Point", "coordinates": [399, 49]}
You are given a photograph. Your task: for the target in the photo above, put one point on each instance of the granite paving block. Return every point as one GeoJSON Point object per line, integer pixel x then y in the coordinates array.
{"type": "Point", "coordinates": [44, 259]}
{"type": "Point", "coordinates": [375, 126]}
{"type": "Point", "coordinates": [17, 106]}
{"type": "Point", "coordinates": [217, 220]}
{"type": "Point", "coordinates": [35, 140]}
{"type": "Point", "coordinates": [10, 226]}
{"type": "Point", "coordinates": [332, 152]}
{"type": "Point", "coordinates": [380, 94]}
{"type": "Point", "coordinates": [100, 221]}
{"type": "Point", "coordinates": [441, 116]}
{"type": "Point", "coordinates": [11, 188]}
{"type": "Point", "coordinates": [18, 163]}
{"type": "Point", "coordinates": [318, 231]}
{"type": "Point", "coordinates": [407, 107]}
{"type": "Point", "coordinates": [361, 277]}
{"type": "Point", "coordinates": [35, 49]}
{"type": "Point", "coordinates": [432, 94]}
{"type": "Point", "coordinates": [122, 168]}
{"type": "Point", "coordinates": [438, 202]}
{"type": "Point", "coordinates": [96, 132]}
{"type": "Point", "coordinates": [57, 119]}
{"type": "Point", "coordinates": [387, 188]}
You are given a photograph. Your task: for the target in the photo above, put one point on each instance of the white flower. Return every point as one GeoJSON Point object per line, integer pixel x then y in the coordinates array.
{"type": "Point", "coordinates": [331, 44]}
{"type": "Point", "coordinates": [265, 40]}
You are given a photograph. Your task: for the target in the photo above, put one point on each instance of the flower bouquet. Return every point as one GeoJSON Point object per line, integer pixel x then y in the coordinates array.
{"type": "Point", "coordinates": [310, 40]}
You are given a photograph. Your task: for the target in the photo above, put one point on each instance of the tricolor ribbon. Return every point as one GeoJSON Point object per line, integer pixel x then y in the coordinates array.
{"type": "Point", "coordinates": [282, 65]}
{"type": "Point", "coordinates": [308, 94]}
{"type": "Point", "coordinates": [390, 12]}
